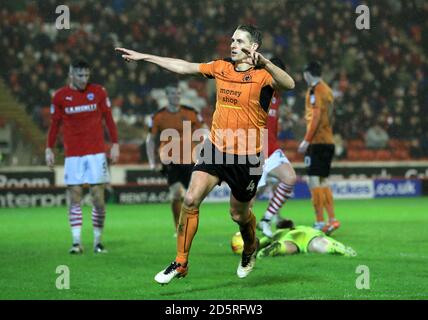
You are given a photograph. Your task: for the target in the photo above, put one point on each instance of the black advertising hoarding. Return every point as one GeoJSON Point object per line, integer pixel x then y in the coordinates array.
{"type": "Point", "coordinates": [57, 196]}
{"type": "Point", "coordinates": [32, 197]}
{"type": "Point", "coordinates": [26, 179]}
{"type": "Point", "coordinates": [141, 194]}
{"type": "Point", "coordinates": [339, 170]}
{"type": "Point", "coordinates": [366, 170]}
{"type": "Point", "coordinates": [37, 188]}
{"type": "Point", "coordinates": [145, 178]}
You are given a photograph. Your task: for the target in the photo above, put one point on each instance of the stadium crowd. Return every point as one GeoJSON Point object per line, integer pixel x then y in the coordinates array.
{"type": "Point", "coordinates": [379, 76]}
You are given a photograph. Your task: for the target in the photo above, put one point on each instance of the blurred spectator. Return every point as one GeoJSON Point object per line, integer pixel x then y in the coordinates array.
{"type": "Point", "coordinates": [287, 123]}
{"type": "Point", "coordinates": [376, 137]}
{"type": "Point", "coordinates": [419, 146]}
{"type": "Point", "coordinates": [378, 73]}
{"type": "Point", "coordinates": [340, 147]}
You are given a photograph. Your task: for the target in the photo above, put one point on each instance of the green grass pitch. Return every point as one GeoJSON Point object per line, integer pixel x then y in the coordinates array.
{"type": "Point", "coordinates": [390, 236]}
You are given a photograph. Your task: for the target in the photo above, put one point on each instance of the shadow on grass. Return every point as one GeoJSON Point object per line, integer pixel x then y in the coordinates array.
{"type": "Point", "coordinates": [244, 284]}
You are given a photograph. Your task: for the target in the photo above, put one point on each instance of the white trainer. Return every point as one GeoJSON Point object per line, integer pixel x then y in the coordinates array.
{"type": "Point", "coordinates": [319, 225]}
{"type": "Point", "coordinates": [99, 248]}
{"type": "Point", "coordinates": [265, 227]}
{"type": "Point", "coordinates": [76, 248]}
{"type": "Point", "coordinates": [247, 263]}
{"type": "Point", "coordinates": [174, 270]}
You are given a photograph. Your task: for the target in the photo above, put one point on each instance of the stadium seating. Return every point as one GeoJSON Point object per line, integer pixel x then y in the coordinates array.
{"type": "Point", "coordinates": [383, 155]}
{"type": "Point", "coordinates": [393, 57]}
{"type": "Point", "coordinates": [129, 153]}
{"type": "Point", "coordinates": [355, 144]}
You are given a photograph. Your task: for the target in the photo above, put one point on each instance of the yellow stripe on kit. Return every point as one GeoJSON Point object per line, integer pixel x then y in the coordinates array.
{"type": "Point", "coordinates": [229, 106]}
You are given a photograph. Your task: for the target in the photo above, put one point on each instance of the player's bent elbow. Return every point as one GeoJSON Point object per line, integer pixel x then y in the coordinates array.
{"type": "Point", "coordinates": [291, 177]}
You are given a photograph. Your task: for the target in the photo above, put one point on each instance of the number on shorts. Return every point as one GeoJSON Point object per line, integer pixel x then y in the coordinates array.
{"type": "Point", "coordinates": [307, 161]}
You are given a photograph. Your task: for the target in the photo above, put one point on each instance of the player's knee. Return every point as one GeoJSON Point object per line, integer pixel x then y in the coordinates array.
{"type": "Point", "coordinates": [98, 202]}
{"type": "Point", "coordinates": [290, 178]}
{"type": "Point", "coordinates": [176, 192]}
{"type": "Point", "coordinates": [75, 197]}
{"type": "Point", "coordinates": [176, 197]}
{"type": "Point", "coordinates": [324, 182]}
{"type": "Point", "coordinates": [318, 245]}
{"type": "Point", "coordinates": [290, 247]}
{"type": "Point", "coordinates": [286, 174]}
{"type": "Point", "coordinates": [314, 182]}
{"type": "Point", "coordinates": [190, 201]}
{"type": "Point", "coordinates": [237, 216]}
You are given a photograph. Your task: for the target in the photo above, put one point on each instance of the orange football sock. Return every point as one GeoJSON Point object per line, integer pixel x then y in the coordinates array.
{"type": "Point", "coordinates": [328, 203]}
{"type": "Point", "coordinates": [176, 210]}
{"type": "Point", "coordinates": [248, 233]}
{"type": "Point", "coordinates": [318, 203]}
{"type": "Point", "coordinates": [187, 227]}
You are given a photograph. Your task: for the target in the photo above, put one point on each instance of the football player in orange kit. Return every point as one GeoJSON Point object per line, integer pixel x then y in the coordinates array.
{"type": "Point", "coordinates": [318, 145]}
{"type": "Point", "coordinates": [245, 84]}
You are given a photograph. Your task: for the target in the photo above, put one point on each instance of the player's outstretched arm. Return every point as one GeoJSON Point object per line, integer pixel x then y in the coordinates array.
{"type": "Point", "coordinates": [175, 65]}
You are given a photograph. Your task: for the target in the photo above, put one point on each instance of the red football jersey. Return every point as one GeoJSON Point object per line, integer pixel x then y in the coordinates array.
{"type": "Point", "coordinates": [81, 114]}
{"type": "Point", "coordinates": [272, 124]}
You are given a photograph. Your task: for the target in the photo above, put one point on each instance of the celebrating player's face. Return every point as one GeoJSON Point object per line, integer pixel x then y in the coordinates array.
{"type": "Point", "coordinates": [240, 39]}
{"type": "Point", "coordinates": [79, 77]}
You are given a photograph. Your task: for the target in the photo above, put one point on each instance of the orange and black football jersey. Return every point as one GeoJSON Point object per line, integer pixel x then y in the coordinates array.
{"type": "Point", "coordinates": [320, 96]}
{"type": "Point", "coordinates": [242, 102]}
{"type": "Point", "coordinates": [180, 125]}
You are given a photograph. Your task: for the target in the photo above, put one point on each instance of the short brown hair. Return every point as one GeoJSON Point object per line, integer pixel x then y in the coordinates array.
{"type": "Point", "coordinates": [255, 33]}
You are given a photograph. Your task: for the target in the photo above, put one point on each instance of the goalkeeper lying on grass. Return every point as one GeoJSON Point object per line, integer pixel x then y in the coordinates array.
{"type": "Point", "coordinates": [301, 239]}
